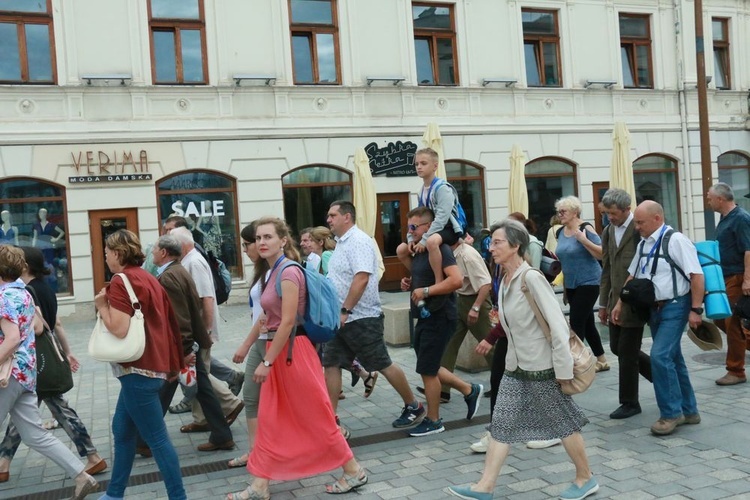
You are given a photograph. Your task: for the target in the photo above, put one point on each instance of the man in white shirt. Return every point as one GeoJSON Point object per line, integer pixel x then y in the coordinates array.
{"type": "Point", "coordinates": [353, 270]}
{"type": "Point", "coordinates": [679, 289]}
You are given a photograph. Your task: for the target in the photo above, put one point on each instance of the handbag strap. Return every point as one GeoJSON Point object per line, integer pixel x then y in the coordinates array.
{"type": "Point", "coordinates": [131, 292]}
{"type": "Point", "coordinates": [534, 306]}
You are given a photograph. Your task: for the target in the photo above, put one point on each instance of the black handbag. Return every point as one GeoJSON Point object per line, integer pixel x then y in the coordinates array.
{"type": "Point", "coordinates": [639, 293]}
{"type": "Point", "coordinates": [53, 373]}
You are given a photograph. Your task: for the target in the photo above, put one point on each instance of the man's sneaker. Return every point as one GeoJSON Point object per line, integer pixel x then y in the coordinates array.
{"type": "Point", "coordinates": [481, 445]}
{"type": "Point", "coordinates": [427, 427]}
{"type": "Point", "coordinates": [666, 426]}
{"type": "Point", "coordinates": [540, 445]}
{"type": "Point", "coordinates": [445, 397]}
{"type": "Point", "coordinates": [236, 385]}
{"type": "Point", "coordinates": [410, 417]}
{"type": "Point", "coordinates": [472, 400]}
{"type": "Point", "coordinates": [693, 419]}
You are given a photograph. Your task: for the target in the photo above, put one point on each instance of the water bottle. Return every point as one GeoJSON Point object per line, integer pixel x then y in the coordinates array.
{"type": "Point", "coordinates": [187, 374]}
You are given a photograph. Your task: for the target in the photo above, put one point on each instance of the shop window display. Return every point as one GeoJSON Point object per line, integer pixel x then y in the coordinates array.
{"type": "Point", "coordinates": [33, 214]}
{"type": "Point", "coordinates": [310, 190]}
{"type": "Point", "coordinates": [208, 201]}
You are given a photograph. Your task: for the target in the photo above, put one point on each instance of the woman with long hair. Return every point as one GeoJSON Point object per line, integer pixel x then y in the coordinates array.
{"type": "Point", "coordinates": [138, 406]}
{"type": "Point", "coordinates": [530, 403]}
{"type": "Point", "coordinates": [296, 435]}
{"type": "Point", "coordinates": [318, 244]}
{"type": "Point", "coordinates": [59, 407]}
{"type": "Point", "coordinates": [18, 399]}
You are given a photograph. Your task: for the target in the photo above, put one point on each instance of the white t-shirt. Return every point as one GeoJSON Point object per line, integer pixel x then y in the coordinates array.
{"type": "Point", "coordinates": [198, 268]}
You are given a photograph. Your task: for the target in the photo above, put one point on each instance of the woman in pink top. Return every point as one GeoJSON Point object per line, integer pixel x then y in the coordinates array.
{"type": "Point", "coordinates": [297, 435]}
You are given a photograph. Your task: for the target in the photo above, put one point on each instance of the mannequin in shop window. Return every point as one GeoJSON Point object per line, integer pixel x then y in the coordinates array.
{"type": "Point", "coordinates": [211, 230]}
{"type": "Point", "coordinates": [8, 232]}
{"type": "Point", "coordinates": [45, 235]}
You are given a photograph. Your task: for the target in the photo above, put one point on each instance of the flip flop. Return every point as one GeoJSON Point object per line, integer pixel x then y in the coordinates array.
{"type": "Point", "coordinates": [372, 377]}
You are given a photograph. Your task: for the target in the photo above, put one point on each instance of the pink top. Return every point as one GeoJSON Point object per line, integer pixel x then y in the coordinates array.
{"type": "Point", "coordinates": [271, 302]}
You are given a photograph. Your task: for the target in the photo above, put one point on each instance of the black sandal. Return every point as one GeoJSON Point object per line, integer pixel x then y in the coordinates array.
{"type": "Point", "coordinates": [372, 377]}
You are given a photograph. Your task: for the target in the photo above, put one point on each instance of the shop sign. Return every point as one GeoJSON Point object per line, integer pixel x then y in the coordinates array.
{"type": "Point", "coordinates": [103, 166]}
{"type": "Point", "coordinates": [207, 208]}
{"type": "Point", "coordinates": [393, 160]}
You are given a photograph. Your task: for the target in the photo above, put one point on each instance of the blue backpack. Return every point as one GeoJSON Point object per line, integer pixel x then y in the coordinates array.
{"type": "Point", "coordinates": [321, 319]}
{"type": "Point", "coordinates": [458, 211]}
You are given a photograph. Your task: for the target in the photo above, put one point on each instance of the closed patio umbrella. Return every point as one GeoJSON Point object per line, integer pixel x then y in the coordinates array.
{"type": "Point", "coordinates": [365, 200]}
{"type": "Point", "coordinates": [432, 139]}
{"type": "Point", "coordinates": [518, 196]}
{"type": "Point", "coordinates": [621, 171]}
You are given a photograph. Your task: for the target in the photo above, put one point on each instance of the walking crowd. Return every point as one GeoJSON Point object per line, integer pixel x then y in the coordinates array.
{"type": "Point", "coordinates": [291, 387]}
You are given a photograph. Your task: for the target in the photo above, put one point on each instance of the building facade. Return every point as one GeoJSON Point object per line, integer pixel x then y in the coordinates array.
{"type": "Point", "coordinates": [119, 113]}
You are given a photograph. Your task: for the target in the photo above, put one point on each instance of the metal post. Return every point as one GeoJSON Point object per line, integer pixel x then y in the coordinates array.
{"type": "Point", "coordinates": [705, 140]}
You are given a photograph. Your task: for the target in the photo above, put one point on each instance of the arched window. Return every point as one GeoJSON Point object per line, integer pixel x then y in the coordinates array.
{"type": "Point", "coordinates": [309, 191]}
{"type": "Point", "coordinates": [208, 200]}
{"type": "Point", "coordinates": [468, 179]}
{"type": "Point", "coordinates": [655, 177]}
{"type": "Point", "coordinates": [34, 214]}
{"type": "Point", "coordinates": [547, 180]}
{"type": "Point", "coordinates": [734, 169]}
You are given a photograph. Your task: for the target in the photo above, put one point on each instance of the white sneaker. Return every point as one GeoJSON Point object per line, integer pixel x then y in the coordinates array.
{"type": "Point", "coordinates": [538, 445]}
{"type": "Point", "coordinates": [481, 445]}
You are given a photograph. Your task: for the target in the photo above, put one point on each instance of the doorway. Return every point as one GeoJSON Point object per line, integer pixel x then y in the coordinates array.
{"type": "Point", "coordinates": [102, 223]}
{"type": "Point", "coordinates": [390, 230]}
{"type": "Point", "coordinates": [600, 219]}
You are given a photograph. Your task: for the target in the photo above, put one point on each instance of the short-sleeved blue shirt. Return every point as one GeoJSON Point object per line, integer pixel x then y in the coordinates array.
{"type": "Point", "coordinates": [579, 267]}
{"type": "Point", "coordinates": [733, 235]}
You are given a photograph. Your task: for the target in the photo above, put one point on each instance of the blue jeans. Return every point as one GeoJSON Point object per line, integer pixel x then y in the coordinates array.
{"type": "Point", "coordinates": [674, 393]}
{"type": "Point", "coordinates": [138, 408]}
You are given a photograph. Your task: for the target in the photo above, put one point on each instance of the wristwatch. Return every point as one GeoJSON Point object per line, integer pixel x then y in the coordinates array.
{"type": "Point", "coordinates": [426, 291]}
{"type": "Point", "coordinates": [475, 309]}
{"type": "Point", "coordinates": [266, 363]}
{"type": "Point", "coordinates": [344, 310]}
{"type": "Point", "coordinates": [697, 310]}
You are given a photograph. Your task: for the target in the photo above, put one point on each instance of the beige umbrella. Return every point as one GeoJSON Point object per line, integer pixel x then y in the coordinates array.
{"type": "Point", "coordinates": [621, 171]}
{"type": "Point", "coordinates": [365, 201]}
{"type": "Point", "coordinates": [518, 196]}
{"type": "Point", "coordinates": [432, 139]}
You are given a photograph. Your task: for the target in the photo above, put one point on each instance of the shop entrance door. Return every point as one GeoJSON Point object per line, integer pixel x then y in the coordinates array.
{"type": "Point", "coordinates": [102, 223]}
{"type": "Point", "coordinates": [390, 230]}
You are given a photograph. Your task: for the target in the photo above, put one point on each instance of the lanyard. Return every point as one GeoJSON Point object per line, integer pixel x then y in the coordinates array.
{"type": "Point", "coordinates": [278, 261]}
{"type": "Point", "coordinates": [423, 202]}
{"type": "Point", "coordinates": [655, 248]}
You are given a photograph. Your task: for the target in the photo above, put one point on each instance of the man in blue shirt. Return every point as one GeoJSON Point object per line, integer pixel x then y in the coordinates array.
{"type": "Point", "coordinates": [733, 235]}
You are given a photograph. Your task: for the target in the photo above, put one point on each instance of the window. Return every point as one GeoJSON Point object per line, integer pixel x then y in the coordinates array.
{"type": "Point", "coordinates": [734, 169]}
{"type": "Point", "coordinates": [722, 74]}
{"type": "Point", "coordinates": [547, 180]}
{"type": "Point", "coordinates": [27, 42]}
{"type": "Point", "coordinates": [178, 42]}
{"type": "Point", "coordinates": [309, 192]}
{"type": "Point", "coordinates": [33, 213]}
{"type": "Point", "coordinates": [541, 48]}
{"type": "Point", "coordinates": [468, 179]}
{"type": "Point", "coordinates": [208, 200]}
{"type": "Point", "coordinates": [315, 42]}
{"type": "Point", "coordinates": [435, 44]}
{"type": "Point", "coordinates": [655, 178]}
{"type": "Point", "coordinates": [635, 50]}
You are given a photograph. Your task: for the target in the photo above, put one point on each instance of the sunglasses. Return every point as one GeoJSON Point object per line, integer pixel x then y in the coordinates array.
{"type": "Point", "coordinates": [413, 227]}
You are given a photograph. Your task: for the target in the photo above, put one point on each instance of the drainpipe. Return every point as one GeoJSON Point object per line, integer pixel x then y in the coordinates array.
{"type": "Point", "coordinates": [682, 103]}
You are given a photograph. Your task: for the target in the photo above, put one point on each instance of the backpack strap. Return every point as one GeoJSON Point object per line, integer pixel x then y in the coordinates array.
{"type": "Point", "coordinates": [582, 227]}
{"type": "Point", "coordinates": [672, 263]}
{"type": "Point", "coordinates": [292, 335]}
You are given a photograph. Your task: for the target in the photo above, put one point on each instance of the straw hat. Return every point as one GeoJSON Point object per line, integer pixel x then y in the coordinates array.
{"type": "Point", "coordinates": [707, 336]}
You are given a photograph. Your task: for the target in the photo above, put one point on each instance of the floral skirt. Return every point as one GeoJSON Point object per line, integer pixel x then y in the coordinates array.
{"type": "Point", "coordinates": [531, 407]}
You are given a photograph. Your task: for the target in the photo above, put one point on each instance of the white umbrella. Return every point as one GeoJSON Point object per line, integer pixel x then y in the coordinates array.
{"type": "Point", "coordinates": [366, 201]}
{"type": "Point", "coordinates": [432, 139]}
{"type": "Point", "coordinates": [621, 171]}
{"type": "Point", "coordinates": [518, 196]}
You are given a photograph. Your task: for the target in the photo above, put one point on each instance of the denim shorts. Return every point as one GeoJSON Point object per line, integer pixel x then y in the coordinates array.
{"type": "Point", "coordinates": [361, 339]}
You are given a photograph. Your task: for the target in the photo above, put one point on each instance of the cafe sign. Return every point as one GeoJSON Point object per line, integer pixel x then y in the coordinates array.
{"type": "Point", "coordinates": [109, 166]}
{"type": "Point", "coordinates": [396, 159]}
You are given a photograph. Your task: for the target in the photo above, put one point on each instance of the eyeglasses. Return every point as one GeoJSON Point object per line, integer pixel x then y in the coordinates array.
{"type": "Point", "coordinates": [562, 212]}
{"type": "Point", "coordinates": [413, 227]}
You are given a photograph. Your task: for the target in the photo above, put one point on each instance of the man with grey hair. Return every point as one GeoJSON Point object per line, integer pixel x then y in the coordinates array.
{"type": "Point", "coordinates": [183, 295]}
{"type": "Point", "coordinates": [619, 245]}
{"type": "Point", "coordinates": [733, 235]}
{"type": "Point", "coordinates": [198, 268]}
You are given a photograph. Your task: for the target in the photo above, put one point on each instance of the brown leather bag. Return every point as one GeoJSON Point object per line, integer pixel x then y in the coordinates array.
{"type": "Point", "coordinates": [584, 361]}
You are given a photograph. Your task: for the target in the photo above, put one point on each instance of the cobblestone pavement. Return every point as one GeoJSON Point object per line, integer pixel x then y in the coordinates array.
{"type": "Point", "coordinates": [706, 461]}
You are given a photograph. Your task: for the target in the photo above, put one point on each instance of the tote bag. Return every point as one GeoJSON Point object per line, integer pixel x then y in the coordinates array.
{"type": "Point", "coordinates": [104, 346]}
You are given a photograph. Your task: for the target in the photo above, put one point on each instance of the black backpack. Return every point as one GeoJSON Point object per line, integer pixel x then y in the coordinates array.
{"type": "Point", "coordinates": [221, 275]}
